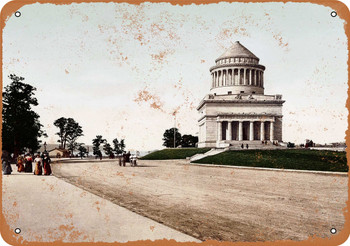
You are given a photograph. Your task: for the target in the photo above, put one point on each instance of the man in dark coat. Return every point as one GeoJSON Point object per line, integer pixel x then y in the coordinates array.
{"type": "Point", "coordinates": [6, 167]}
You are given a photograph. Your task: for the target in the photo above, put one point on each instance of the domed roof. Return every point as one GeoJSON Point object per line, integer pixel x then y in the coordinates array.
{"type": "Point", "coordinates": [237, 50]}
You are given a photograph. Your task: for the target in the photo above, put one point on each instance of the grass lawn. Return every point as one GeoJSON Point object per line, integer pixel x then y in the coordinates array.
{"type": "Point", "coordinates": [178, 153]}
{"type": "Point", "coordinates": [320, 160]}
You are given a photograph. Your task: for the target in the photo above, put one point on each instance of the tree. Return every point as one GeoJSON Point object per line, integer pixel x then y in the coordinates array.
{"type": "Point", "coordinates": [74, 131]}
{"type": "Point", "coordinates": [69, 131]}
{"type": "Point", "coordinates": [61, 123]}
{"type": "Point", "coordinates": [108, 149]}
{"type": "Point", "coordinates": [122, 146]}
{"type": "Point", "coordinates": [82, 150]}
{"type": "Point", "coordinates": [189, 141]}
{"type": "Point", "coordinates": [96, 142]}
{"type": "Point", "coordinates": [168, 138]}
{"type": "Point", "coordinates": [21, 128]}
{"type": "Point", "coordinates": [118, 148]}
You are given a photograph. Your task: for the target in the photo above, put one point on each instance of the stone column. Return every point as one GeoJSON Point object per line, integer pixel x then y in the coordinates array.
{"type": "Point", "coordinates": [212, 80]}
{"type": "Point", "coordinates": [219, 131]}
{"type": "Point", "coordinates": [271, 131]}
{"type": "Point", "coordinates": [262, 131]}
{"type": "Point", "coordinates": [262, 79]}
{"type": "Point", "coordinates": [251, 131]}
{"type": "Point", "coordinates": [244, 77]}
{"type": "Point", "coordinates": [255, 77]}
{"type": "Point", "coordinates": [240, 130]}
{"type": "Point", "coordinates": [239, 76]}
{"type": "Point", "coordinates": [250, 77]}
{"type": "Point", "coordinates": [222, 77]}
{"type": "Point", "coordinates": [229, 125]}
{"type": "Point", "coordinates": [218, 78]}
{"type": "Point", "coordinates": [234, 78]}
{"type": "Point", "coordinates": [227, 77]}
{"type": "Point", "coordinates": [215, 77]}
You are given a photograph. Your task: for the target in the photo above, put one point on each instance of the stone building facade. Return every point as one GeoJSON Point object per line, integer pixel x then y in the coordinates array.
{"type": "Point", "coordinates": [237, 110]}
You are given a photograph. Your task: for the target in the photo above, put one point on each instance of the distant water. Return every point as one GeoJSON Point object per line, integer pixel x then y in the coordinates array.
{"type": "Point", "coordinates": [330, 148]}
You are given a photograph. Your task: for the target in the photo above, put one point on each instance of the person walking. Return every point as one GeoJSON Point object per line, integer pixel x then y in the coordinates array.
{"type": "Point", "coordinates": [38, 170]}
{"type": "Point", "coordinates": [247, 146]}
{"type": "Point", "coordinates": [127, 157]}
{"type": "Point", "coordinates": [120, 160]}
{"type": "Point", "coordinates": [46, 164]}
{"type": "Point", "coordinates": [20, 163]}
{"type": "Point", "coordinates": [6, 167]}
{"type": "Point", "coordinates": [28, 160]}
{"type": "Point", "coordinates": [242, 146]}
{"type": "Point", "coordinates": [123, 160]}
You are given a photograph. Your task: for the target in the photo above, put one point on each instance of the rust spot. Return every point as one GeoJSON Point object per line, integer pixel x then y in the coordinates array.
{"type": "Point", "coordinates": [159, 57]}
{"type": "Point", "coordinates": [153, 100]}
{"type": "Point", "coordinates": [280, 40]}
{"type": "Point", "coordinates": [70, 215]}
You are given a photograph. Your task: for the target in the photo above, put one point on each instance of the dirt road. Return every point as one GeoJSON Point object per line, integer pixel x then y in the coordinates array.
{"type": "Point", "coordinates": [219, 203]}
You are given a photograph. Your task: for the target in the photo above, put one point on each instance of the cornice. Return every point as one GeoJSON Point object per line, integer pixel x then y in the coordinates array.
{"type": "Point", "coordinates": [241, 101]}
{"type": "Point", "coordinates": [237, 65]}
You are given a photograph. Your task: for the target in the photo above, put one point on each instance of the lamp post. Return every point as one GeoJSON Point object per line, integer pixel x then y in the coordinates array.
{"type": "Point", "coordinates": [174, 128]}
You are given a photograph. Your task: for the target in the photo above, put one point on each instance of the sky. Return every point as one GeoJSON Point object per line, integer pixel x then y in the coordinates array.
{"type": "Point", "coordinates": [122, 70]}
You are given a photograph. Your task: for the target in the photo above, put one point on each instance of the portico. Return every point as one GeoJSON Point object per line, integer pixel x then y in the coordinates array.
{"type": "Point", "coordinates": [245, 130]}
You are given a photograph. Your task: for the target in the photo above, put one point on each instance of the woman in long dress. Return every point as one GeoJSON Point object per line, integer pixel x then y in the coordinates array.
{"type": "Point", "coordinates": [20, 163]}
{"type": "Point", "coordinates": [28, 168]}
{"type": "Point", "coordinates": [38, 170]}
{"type": "Point", "coordinates": [6, 167]}
{"type": "Point", "coordinates": [46, 164]}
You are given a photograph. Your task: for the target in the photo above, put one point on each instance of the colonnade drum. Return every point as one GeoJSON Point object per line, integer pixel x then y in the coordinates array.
{"type": "Point", "coordinates": [237, 76]}
{"type": "Point", "coordinates": [237, 110]}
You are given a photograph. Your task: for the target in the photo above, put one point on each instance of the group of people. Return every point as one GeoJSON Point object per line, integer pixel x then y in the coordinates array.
{"type": "Point", "coordinates": [247, 146]}
{"type": "Point", "coordinates": [24, 163]}
{"type": "Point", "coordinates": [127, 158]}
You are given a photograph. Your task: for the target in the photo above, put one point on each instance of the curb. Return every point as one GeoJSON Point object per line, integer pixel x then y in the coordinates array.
{"type": "Point", "coordinates": [345, 174]}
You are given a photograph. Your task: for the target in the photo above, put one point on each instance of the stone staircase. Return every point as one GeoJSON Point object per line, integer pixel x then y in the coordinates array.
{"type": "Point", "coordinates": [237, 146]}
{"type": "Point", "coordinates": [254, 145]}
{"type": "Point", "coordinates": [209, 153]}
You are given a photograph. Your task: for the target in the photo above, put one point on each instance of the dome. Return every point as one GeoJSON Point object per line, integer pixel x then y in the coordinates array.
{"type": "Point", "coordinates": [237, 50]}
{"type": "Point", "coordinates": [237, 71]}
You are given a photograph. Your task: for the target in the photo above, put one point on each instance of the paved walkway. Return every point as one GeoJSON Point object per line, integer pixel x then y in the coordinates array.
{"type": "Point", "coordinates": [48, 209]}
